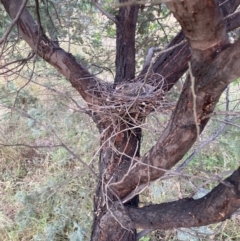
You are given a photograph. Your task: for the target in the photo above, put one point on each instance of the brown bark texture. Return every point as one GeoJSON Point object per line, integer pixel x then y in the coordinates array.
{"type": "Point", "coordinates": [125, 42]}
{"type": "Point", "coordinates": [213, 63]}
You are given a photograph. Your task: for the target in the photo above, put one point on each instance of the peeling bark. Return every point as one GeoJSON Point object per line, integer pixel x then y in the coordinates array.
{"type": "Point", "coordinates": [126, 141]}
{"type": "Point", "coordinates": [173, 64]}
{"type": "Point", "coordinates": [211, 79]}
{"type": "Point", "coordinates": [215, 63]}
{"type": "Point", "coordinates": [64, 62]}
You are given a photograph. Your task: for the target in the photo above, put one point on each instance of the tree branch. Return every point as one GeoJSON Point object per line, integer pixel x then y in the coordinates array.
{"type": "Point", "coordinates": [174, 64]}
{"type": "Point", "coordinates": [99, 7]}
{"type": "Point", "coordinates": [212, 137]}
{"type": "Point", "coordinates": [202, 39]}
{"type": "Point", "coordinates": [5, 35]}
{"type": "Point", "coordinates": [211, 79]}
{"type": "Point", "coordinates": [232, 21]}
{"type": "Point", "coordinates": [216, 206]}
{"type": "Point", "coordinates": [228, 6]}
{"type": "Point", "coordinates": [125, 42]}
{"type": "Point", "coordinates": [64, 62]}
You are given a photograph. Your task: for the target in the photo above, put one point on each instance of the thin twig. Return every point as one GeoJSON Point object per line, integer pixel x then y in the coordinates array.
{"type": "Point", "coordinates": [55, 134]}
{"type": "Point", "coordinates": [23, 60]}
{"type": "Point", "coordinates": [135, 2]}
{"type": "Point", "coordinates": [192, 78]}
{"type": "Point", "coordinates": [30, 146]}
{"type": "Point", "coordinates": [4, 38]}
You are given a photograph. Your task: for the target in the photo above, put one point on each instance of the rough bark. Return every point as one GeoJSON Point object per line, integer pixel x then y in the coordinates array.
{"type": "Point", "coordinates": [216, 206]}
{"type": "Point", "coordinates": [173, 64]}
{"type": "Point", "coordinates": [216, 69]}
{"type": "Point", "coordinates": [215, 63]}
{"type": "Point", "coordinates": [120, 142]}
{"type": "Point", "coordinates": [203, 25]}
{"type": "Point", "coordinates": [125, 42]}
{"type": "Point", "coordinates": [64, 62]}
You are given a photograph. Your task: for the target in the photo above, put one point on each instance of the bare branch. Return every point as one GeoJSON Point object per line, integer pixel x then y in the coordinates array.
{"type": "Point", "coordinates": [30, 146]}
{"type": "Point", "coordinates": [64, 62]}
{"type": "Point", "coordinates": [99, 7]}
{"type": "Point", "coordinates": [4, 38]}
{"type": "Point", "coordinates": [134, 2]}
{"type": "Point", "coordinates": [149, 56]}
{"type": "Point", "coordinates": [228, 6]}
{"type": "Point", "coordinates": [201, 14]}
{"type": "Point", "coordinates": [23, 60]}
{"type": "Point", "coordinates": [180, 134]}
{"type": "Point", "coordinates": [232, 21]}
{"type": "Point", "coordinates": [188, 212]}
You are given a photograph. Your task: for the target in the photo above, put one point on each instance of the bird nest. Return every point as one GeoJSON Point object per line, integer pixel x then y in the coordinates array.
{"type": "Point", "coordinates": [135, 98]}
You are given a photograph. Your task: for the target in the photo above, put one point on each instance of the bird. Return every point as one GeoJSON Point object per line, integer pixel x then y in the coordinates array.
{"type": "Point", "coordinates": [134, 89]}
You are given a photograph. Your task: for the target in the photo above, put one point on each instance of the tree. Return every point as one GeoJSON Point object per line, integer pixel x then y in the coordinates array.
{"type": "Point", "coordinates": [203, 51]}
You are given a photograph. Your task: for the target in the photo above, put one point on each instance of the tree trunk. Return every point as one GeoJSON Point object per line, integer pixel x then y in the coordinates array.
{"type": "Point", "coordinates": [119, 143]}
{"type": "Point", "coordinates": [125, 43]}
{"type": "Point", "coordinates": [120, 138]}
{"type": "Point", "coordinates": [215, 63]}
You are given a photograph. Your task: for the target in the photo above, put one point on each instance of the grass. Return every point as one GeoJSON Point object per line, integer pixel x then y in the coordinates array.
{"type": "Point", "coordinates": [46, 193]}
{"type": "Point", "coordinates": [220, 157]}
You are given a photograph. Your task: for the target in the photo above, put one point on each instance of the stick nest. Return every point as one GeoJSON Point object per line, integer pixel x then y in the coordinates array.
{"type": "Point", "coordinates": [137, 98]}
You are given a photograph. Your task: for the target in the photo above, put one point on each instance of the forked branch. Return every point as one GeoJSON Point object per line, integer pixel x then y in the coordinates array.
{"type": "Point", "coordinates": [64, 62]}
{"type": "Point", "coordinates": [172, 65]}
{"type": "Point", "coordinates": [212, 77]}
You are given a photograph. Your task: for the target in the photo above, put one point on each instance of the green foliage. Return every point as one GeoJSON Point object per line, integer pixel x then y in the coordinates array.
{"type": "Point", "coordinates": [5, 22]}
{"type": "Point", "coordinates": [145, 239]}
{"type": "Point", "coordinates": [46, 194]}
{"type": "Point", "coordinates": [236, 82]}
{"type": "Point", "coordinates": [77, 234]}
{"type": "Point", "coordinates": [217, 159]}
